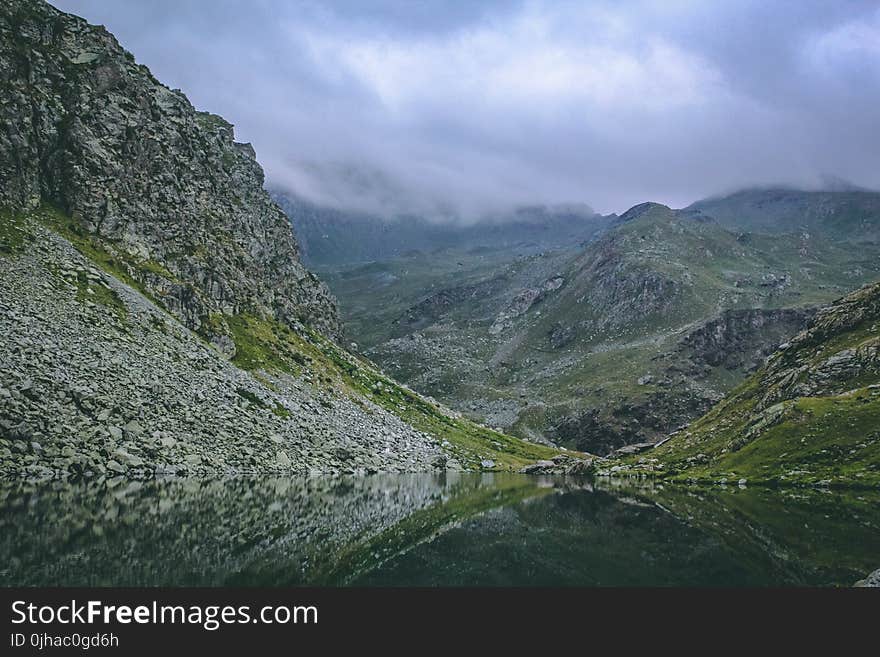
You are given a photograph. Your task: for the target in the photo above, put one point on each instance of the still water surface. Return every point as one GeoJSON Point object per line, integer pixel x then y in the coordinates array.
{"type": "Point", "coordinates": [436, 530]}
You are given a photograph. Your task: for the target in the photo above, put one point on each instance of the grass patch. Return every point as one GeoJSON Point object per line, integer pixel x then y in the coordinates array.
{"type": "Point", "coordinates": [280, 411]}
{"type": "Point", "coordinates": [157, 268]}
{"type": "Point", "coordinates": [834, 440]}
{"type": "Point", "coordinates": [264, 345]}
{"type": "Point", "coordinates": [14, 234]}
{"type": "Point", "coordinates": [100, 293]}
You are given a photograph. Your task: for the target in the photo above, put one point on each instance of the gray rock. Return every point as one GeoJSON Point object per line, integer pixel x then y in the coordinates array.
{"type": "Point", "coordinates": [134, 428]}
{"type": "Point", "coordinates": [872, 580]}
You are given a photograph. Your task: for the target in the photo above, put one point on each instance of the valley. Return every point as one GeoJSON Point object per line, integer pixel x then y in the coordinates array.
{"type": "Point", "coordinates": [386, 361]}
{"type": "Point", "coordinates": [620, 339]}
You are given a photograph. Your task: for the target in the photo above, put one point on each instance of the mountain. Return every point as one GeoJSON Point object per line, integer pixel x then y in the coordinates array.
{"type": "Point", "coordinates": [332, 237]}
{"type": "Point", "coordinates": [178, 203]}
{"type": "Point", "coordinates": [155, 314]}
{"type": "Point", "coordinates": [811, 415]}
{"type": "Point", "coordinates": [602, 345]}
{"type": "Point", "coordinates": [842, 213]}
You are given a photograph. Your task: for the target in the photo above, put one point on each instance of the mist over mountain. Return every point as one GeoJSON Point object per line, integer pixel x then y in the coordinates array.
{"type": "Point", "coordinates": [331, 236]}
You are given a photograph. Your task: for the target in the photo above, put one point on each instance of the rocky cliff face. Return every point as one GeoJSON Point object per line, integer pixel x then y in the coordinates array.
{"type": "Point", "coordinates": [179, 202]}
{"type": "Point", "coordinates": [98, 381]}
{"type": "Point", "coordinates": [839, 352]}
{"type": "Point", "coordinates": [743, 338]}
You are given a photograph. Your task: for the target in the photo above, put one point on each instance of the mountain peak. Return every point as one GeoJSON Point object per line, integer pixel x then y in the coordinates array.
{"type": "Point", "coordinates": [642, 209]}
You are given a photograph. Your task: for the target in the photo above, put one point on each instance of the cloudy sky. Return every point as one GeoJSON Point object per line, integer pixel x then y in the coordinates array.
{"type": "Point", "coordinates": [464, 107]}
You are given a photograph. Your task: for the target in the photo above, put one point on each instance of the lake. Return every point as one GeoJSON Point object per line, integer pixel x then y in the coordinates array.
{"type": "Point", "coordinates": [431, 530]}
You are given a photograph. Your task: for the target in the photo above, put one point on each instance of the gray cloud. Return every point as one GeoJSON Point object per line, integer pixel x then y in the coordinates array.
{"type": "Point", "coordinates": [444, 107]}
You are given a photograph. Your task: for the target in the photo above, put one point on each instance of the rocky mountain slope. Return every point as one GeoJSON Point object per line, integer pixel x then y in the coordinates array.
{"type": "Point", "coordinates": [155, 315]}
{"type": "Point", "coordinates": [810, 415]}
{"type": "Point", "coordinates": [177, 201]}
{"type": "Point", "coordinates": [331, 237]}
{"type": "Point", "coordinates": [595, 347]}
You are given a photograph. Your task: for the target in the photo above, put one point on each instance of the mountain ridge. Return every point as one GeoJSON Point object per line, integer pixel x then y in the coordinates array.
{"type": "Point", "coordinates": [603, 344]}
{"type": "Point", "coordinates": [842, 214]}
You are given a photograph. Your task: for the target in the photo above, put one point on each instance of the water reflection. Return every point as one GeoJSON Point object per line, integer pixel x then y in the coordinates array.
{"type": "Point", "coordinates": [430, 530]}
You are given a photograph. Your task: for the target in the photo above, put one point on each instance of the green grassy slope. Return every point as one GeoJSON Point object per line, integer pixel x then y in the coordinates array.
{"type": "Point", "coordinates": [810, 416]}
{"type": "Point", "coordinates": [848, 214]}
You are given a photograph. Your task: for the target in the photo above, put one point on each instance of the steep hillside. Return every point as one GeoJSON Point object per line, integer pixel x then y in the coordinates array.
{"type": "Point", "coordinates": [620, 341]}
{"type": "Point", "coordinates": [847, 214]}
{"type": "Point", "coordinates": [331, 237]}
{"type": "Point", "coordinates": [155, 315]}
{"type": "Point", "coordinates": [178, 204]}
{"type": "Point", "coordinates": [810, 415]}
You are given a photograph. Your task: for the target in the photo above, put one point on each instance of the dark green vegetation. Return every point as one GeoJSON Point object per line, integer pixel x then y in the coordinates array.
{"type": "Point", "coordinates": [13, 232]}
{"type": "Point", "coordinates": [811, 415]}
{"type": "Point", "coordinates": [620, 341]}
{"type": "Point", "coordinates": [490, 529]}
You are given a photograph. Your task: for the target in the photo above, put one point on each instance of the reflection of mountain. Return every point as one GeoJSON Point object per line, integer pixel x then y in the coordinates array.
{"type": "Point", "coordinates": [662, 537]}
{"type": "Point", "coordinates": [429, 529]}
{"type": "Point", "coordinates": [796, 537]}
{"type": "Point", "coordinates": [228, 532]}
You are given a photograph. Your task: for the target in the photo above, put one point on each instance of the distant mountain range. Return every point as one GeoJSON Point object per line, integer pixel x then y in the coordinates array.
{"type": "Point", "coordinates": [332, 237]}
{"type": "Point", "coordinates": [623, 337]}
{"type": "Point", "coordinates": [846, 214]}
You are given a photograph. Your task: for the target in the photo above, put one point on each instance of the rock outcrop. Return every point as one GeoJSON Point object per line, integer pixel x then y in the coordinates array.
{"type": "Point", "coordinates": [744, 338]}
{"type": "Point", "coordinates": [91, 132]}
